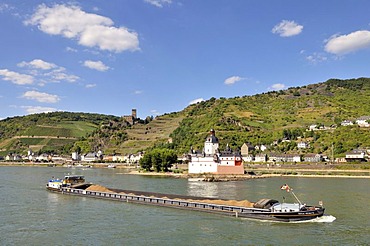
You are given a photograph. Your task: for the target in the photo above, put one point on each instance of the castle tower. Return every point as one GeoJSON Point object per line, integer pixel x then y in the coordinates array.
{"type": "Point", "coordinates": [211, 143]}
{"type": "Point", "coordinates": [134, 113]}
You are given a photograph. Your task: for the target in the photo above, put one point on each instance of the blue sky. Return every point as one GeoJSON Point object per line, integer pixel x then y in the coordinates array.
{"type": "Point", "coordinates": [159, 56]}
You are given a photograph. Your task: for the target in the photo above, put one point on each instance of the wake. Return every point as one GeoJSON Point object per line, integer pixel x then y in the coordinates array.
{"type": "Point", "coordinates": [326, 218]}
{"type": "Point", "coordinates": [323, 219]}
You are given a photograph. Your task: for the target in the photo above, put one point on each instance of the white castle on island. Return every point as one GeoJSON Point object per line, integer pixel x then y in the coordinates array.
{"type": "Point", "coordinates": [212, 160]}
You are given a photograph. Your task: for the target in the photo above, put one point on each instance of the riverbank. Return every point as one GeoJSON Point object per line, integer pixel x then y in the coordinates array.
{"type": "Point", "coordinates": [204, 177]}
{"type": "Point", "coordinates": [276, 173]}
{"type": "Point", "coordinates": [252, 171]}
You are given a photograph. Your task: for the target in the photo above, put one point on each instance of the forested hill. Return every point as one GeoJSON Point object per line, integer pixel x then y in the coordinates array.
{"type": "Point", "coordinates": [13, 126]}
{"type": "Point", "coordinates": [277, 119]}
{"type": "Point", "coordinates": [283, 115]}
{"type": "Point", "coordinates": [48, 132]}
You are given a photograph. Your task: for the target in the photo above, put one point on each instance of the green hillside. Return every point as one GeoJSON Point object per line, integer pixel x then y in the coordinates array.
{"type": "Point", "coordinates": [132, 139]}
{"type": "Point", "coordinates": [277, 115]}
{"type": "Point", "coordinates": [51, 132]}
{"type": "Point", "coordinates": [277, 119]}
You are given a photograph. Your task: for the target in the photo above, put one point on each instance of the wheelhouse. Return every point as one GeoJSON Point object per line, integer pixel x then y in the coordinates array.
{"type": "Point", "coordinates": [73, 179]}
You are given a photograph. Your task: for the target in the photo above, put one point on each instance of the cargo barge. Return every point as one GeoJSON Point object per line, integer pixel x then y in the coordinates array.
{"type": "Point", "coordinates": [264, 209]}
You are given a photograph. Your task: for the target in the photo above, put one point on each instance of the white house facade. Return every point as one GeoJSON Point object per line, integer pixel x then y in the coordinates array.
{"type": "Point", "coordinates": [302, 145]}
{"type": "Point", "coordinates": [363, 121]}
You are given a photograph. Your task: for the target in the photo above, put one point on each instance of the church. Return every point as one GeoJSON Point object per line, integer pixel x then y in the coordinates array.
{"type": "Point", "coordinates": [212, 160]}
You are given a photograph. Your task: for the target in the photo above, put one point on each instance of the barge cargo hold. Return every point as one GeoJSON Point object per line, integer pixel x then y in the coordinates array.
{"type": "Point", "coordinates": [265, 209]}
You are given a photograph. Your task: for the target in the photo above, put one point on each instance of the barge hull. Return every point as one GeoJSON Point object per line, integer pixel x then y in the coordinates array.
{"type": "Point", "coordinates": [182, 202]}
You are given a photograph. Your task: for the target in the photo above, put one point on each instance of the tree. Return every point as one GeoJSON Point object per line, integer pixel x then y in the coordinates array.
{"type": "Point", "coordinates": [158, 159]}
{"type": "Point", "coordinates": [168, 157]}
{"type": "Point", "coordinates": [82, 147]}
{"type": "Point", "coordinates": [146, 162]}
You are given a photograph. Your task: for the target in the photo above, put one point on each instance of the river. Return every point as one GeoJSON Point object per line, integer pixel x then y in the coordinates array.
{"type": "Point", "coordinates": [30, 215]}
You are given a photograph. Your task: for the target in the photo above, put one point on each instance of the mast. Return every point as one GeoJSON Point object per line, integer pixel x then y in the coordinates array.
{"type": "Point", "coordinates": [296, 197]}
{"type": "Point", "coordinates": [289, 189]}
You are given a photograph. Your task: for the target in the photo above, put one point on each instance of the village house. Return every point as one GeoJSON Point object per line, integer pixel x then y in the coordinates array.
{"type": "Point", "coordinates": [363, 121]}
{"type": "Point", "coordinates": [275, 157]}
{"type": "Point", "coordinates": [248, 158]}
{"type": "Point", "coordinates": [89, 157]}
{"type": "Point", "coordinates": [118, 157]}
{"type": "Point", "coordinates": [312, 127]}
{"type": "Point", "coordinates": [92, 156]}
{"type": "Point", "coordinates": [58, 158]}
{"type": "Point", "coordinates": [129, 159]}
{"type": "Point", "coordinates": [312, 158]}
{"type": "Point", "coordinates": [134, 158]}
{"type": "Point", "coordinates": [43, 158]}
{"type": "Point", "coordinates": [356, 155]}
{"type": "Point", "coordinates": [30, 155]}
{"type": "Point", "coordinates": [302, 145]}
{"type": "Point", "coordinates": [260, 158]}
{"type": "Point", "coordinates": [76, 156]}
{"type": "Point", "coordinates": [245, 151]}
{"type": "Point", "coordinates": [346, 123]}
{"type": "Point", "coordinates": [13, 157]}
{"type": "Point", "coordinates": [108, 158]}
{"type": "Point", "coordinates": [293, 158]}
{"type": "Point", "coordinates": [212, 160]}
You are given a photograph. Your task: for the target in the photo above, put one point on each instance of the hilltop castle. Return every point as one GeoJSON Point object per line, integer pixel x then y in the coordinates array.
{"type": "Point", "coordinates": [131, 119]}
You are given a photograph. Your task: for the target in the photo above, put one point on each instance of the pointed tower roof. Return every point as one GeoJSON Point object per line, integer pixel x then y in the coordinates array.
{"type": "Point", "coordinates": [212, 137]}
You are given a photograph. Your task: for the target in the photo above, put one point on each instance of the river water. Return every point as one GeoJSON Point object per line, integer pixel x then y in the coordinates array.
{"type": "Point", "coordinates": [30, 215]}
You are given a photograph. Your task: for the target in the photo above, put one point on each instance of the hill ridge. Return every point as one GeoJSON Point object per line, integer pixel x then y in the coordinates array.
{"type": "Point", "coordinates": [258, 119]}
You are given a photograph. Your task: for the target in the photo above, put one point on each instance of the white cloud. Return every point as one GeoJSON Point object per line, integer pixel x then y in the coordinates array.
{"type": "Point", "coordinates": [96, 65]}
{"type": "Point", "coordinates": [60, 74]}
{"type": "Point", "coordinates": [41, 97]}
{"type": "Point", "coordinates": [90, 30]}
{"type": "Point", "coordinates": [137, 92]}
{"type": "Point", "coordinates": [69, 49]}
{"type": "Point", "coordinates": [54, 73]}
{"type": "Point", "coordinates": [4, 7]}
{"type": "Point", "coordinates": [277, 86]}
{"type": "Point", "coordinates": [195, 101]}
{"type": "Point", "coordinates": [287, 29]}
{"type": "Point", "coordinates": [232, 80]}
{"type": "Point", "coordinates": [90, 85]}
{"type": "Point", "coordinates": [109, 38]}
{"type": "Point", "coordinates": [352, 42]}
{"type": "Point", "coordinates": [316, 58]}
{"type": "Point", "coordinates": [16, 78]}
{"type": "Point", "coordinates": [38, 64]}
{"type": "Point", "coordinates": [158, 3]}
{"type": "Point", "coordinates": [38, 109]}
